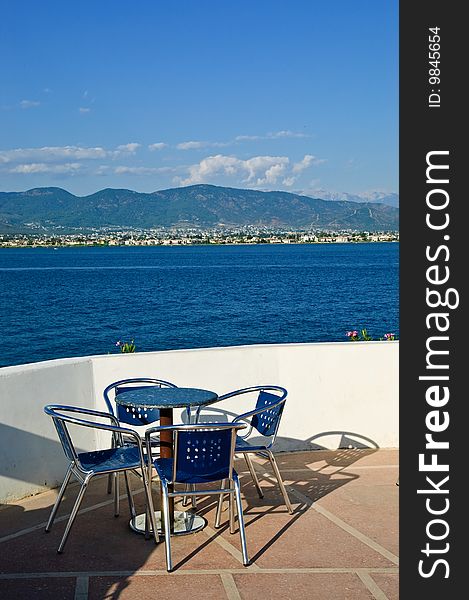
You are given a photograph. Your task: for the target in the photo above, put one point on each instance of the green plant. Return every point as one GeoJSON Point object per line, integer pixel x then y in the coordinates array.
{"type": "Point", "coordinates": [126, 347]}
{"type": "Point", "coordinates": [363, 336]}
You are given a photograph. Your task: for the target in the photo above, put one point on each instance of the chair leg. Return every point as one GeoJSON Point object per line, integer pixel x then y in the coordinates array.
{"type": "Point", "coordinates": [129, 496]}
{"type": "Point", "coordinates": [276, 471]}
{"type": "Point", "coordinates": [253, 474]}
{"type": "Point", "coordinates": [150, 512]}
{"type": "Point", "coordinates": [116, 494]}
{"type": "Point", "coordinates": [231, 509]}
{"type": "Point", "coordinates": [111, 475]}
{"type": "Point", "coordinates": [242, 532]}
{"type": "Point", "coordinates": [59, 497]}
{"type": "Point", "coordinates": [167, 526]}
{"type": "Point", "coordinates": [185, 500]}
{"type": "Point", "coordinates": [219, 507]}
{"type": "Point", "coordinates": [73, 514]}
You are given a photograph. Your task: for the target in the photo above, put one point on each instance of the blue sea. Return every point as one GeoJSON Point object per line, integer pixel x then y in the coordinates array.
{"type": "Point", "coordinates": [80, 301]}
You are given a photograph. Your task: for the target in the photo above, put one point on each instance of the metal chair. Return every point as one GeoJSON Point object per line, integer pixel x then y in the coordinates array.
{"type": "Point", "coordinates": [265, 420]}
{"type": "Point", "coordinates": [125, 415]}
{"type": "Point", "coordinates": [202, 454]}
{"type": "Point", "coordinates": [85, 465]}
{"type": "Point", "coordinates": [134, 419]}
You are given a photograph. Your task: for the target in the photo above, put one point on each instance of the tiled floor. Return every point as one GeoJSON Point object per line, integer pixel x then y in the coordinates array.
{"type": "Point", "coordinates": [341, 542]}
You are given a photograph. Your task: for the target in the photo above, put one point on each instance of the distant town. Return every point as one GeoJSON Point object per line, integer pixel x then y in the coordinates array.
{"type": "Point", "coordinates": [189, 237]}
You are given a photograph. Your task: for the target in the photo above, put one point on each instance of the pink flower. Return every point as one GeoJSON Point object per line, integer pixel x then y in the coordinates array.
{"type": "Point", "coordinates": [389, 336]}
{"type": "Point", "coordinates": [352, 334]}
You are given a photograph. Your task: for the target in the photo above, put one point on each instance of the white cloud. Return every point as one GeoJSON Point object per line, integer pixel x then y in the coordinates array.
{"type": "Point", "coordinates": [257, 170]}
{"type": "Point", "coordinates": [267, 169]}
{"type": "Point", "coordinates": [190, 145]}
{"type": "Point", "coordinates": [248, 138]}
{"type": "Point", "coordinates": [52, 153]}
{"type": "Point", "coordinates": [272, 174]}
{"type": "Point", "coordinates": [29, 103]}
{"type": "Point", "coordinates": [29, 168]}
{"type": "Point", "coordinates": [124, 170]}
{"type": "Point", "coordinates": [286, 133]}
{"type": "Point", "coordinates": [132, 147]}
{"type": "Point", "coordinates": [157, 146]}
{"type": "Point", "coordinates": [198, 144]}
{"type": "Point", "coordinates": [195, 145]}
{"type": "Point", "coordinates": [84, 110]}
{"type": "Point", "coordinates": [307, 161]}
{"type": "Point", "coordinates": [102, 170]}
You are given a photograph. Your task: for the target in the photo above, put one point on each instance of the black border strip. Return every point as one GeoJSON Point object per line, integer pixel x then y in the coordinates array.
{"type": "Point", "coordinates": [432, 124]}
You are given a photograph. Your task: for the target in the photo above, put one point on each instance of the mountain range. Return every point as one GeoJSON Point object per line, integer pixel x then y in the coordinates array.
{"type": "Point", "coordinates": [389, 198]}
{"type": "Point", "coordinates": [50, 208]}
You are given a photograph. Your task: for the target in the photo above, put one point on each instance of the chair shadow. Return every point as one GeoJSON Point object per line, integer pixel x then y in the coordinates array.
{"type": "Point", "coordinates": [349, 448]}
{"type": "Point", "coordinates": [18, 522]}
{"type": "Point", "coordinates": [311, 486]}
{"type": "Point", "coordinates": [310, 483]}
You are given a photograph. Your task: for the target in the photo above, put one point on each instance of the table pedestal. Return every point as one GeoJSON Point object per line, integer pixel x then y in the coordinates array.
{"type": "Point", "coordinates": [184, 523]}
{"type": "Point", "coordinates": [165, 399]}
{"type": "Point", "coordinates": [181, 522]}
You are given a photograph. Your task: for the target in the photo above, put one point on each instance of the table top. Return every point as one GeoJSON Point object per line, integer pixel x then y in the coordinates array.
{"type": "Point", "coordinates": [156, 397]}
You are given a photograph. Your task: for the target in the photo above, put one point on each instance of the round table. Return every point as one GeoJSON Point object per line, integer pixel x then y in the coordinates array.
{"type": "Point", "coordinates": [166, 399]}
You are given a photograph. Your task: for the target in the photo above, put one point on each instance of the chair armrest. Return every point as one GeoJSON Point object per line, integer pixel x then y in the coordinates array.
{"type": "Point", "coordinates": [255, 388]}
{"type": "Point", "coordinates": [81, 411]}
{"type": "Point", "coordinates": [55, 411]}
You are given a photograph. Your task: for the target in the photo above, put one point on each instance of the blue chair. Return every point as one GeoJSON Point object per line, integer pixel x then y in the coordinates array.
{"type": "Point", "coordinates": [132, 418]}
{"type": "Point", "coordinates": [86, 465]}
{"type": "Point", "coordinates": [125, 415]}
{"type": "Point", "coordinates": [201, 454]}
{"type": "Point", "coordinates": [263, 420]}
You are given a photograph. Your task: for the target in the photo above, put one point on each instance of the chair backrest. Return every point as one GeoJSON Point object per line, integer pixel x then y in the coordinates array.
{"type": "Point", "coordinates": [128, 415]}
{"type": "Point", "coordinates": [268, 421]}
{"type": "Point", "coordinates": [203, 453]}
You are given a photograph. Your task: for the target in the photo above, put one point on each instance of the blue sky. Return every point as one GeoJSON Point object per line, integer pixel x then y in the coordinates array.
{"type": "Point", "coordinates": [147, 95]}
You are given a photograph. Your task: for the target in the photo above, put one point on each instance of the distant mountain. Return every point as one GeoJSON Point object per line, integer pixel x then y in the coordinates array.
{"type": "Point", "coordinates": [47, 209]}
{"type": "Point", "coordinates": [390, 199]}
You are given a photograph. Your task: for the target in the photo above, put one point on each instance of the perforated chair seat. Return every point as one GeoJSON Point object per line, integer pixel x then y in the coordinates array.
{"type": "Point", "coordinates": [110, 460]}
{"type": "Point", "coordinates": [164, 468]}
{"type": "Point", "coordinates": [245, 446]}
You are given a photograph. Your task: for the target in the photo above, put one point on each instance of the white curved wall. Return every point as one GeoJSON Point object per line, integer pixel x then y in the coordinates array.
{"type": "Point", "coordinates": [348, 387]}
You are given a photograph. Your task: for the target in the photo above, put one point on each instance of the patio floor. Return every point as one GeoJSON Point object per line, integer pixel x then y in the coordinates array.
{"type": "Point", "coordinates": [341, 542]}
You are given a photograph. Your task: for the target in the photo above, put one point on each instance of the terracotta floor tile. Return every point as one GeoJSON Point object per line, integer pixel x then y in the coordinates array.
{"type": "Point", "coordinates": [305, 539]}
{"type": "Point", "coordinates": [59, 588]}
{"type": "Point", "coordinates": [195, 587]}
{"type": "Point", "coordinates": [292, 586]}
{"type": "Point", "coordinates": [388, 583]}
{"type": "Point", "coordinates": [357, 486]}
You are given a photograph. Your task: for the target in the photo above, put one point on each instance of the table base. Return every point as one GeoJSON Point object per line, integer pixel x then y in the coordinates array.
{"type": "Point", "coordinates": [185, 523]}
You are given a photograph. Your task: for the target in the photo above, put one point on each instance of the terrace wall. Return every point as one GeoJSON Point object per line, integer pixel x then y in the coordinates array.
{"type": "Point", "coordinates": [342, 394]}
